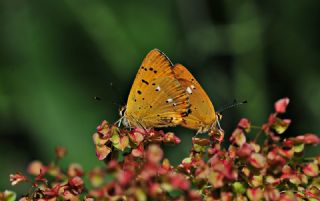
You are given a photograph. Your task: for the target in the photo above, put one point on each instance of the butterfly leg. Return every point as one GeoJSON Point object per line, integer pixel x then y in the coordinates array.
{"type": "Point", "coordinates": [129, 125]}
{"type": "Point", "coordinates": [218, 125]}
{"type": "Point", "coordinates": [119, 121]}
{"type": "Point", "coordinates": [197, 133]}
{"type": "Point", "coordinates": [145, 130]}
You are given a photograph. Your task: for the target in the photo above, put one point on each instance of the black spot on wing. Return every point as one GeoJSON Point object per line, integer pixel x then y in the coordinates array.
{"type": "Point", "coordinates": [145, 82]}
{"type": "Point", "coordinates": [139, 92]}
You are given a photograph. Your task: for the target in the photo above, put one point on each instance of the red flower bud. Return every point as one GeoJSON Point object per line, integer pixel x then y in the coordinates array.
{"type": "Point", "coordinates": [281, 105]}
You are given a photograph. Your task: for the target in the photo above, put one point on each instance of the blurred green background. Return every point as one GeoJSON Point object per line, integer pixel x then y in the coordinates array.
{"type": "Point", "coordinates": [55, 56]}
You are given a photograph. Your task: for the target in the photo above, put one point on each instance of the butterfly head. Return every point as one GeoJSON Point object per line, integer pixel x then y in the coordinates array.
{"type": "Point", "coordinates": [122, 111]}
{"type": "Point", "coordinates": [218, 116]}
{"type": "Point", "coordinates": [216, 131]}
{"type": "Point", "coordinates": [123, 119]}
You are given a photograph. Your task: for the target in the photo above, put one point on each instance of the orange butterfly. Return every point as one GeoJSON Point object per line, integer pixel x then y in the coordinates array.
{"type": "Point", "coordinates": [202, 116]}
{"type": "Point", "coordinates": [156, 98]}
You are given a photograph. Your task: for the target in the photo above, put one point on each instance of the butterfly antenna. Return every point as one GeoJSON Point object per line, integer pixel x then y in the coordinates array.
{"type": "Point", "coordinates": [97, 98]}
{"type": "Point", "coordinates": [232, 105]}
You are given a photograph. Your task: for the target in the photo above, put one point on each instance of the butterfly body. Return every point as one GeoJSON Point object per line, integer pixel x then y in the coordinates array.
{"type": "Point", "coordinates": [156, 98]}
{"type": "Point", "coordinates": [202, 116]}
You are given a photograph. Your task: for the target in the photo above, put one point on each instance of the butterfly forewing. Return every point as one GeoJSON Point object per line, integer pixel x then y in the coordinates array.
{"type": "Point", "coordinates": [202, 114]}
{"type": "Point", "coordinates": [156, 98]}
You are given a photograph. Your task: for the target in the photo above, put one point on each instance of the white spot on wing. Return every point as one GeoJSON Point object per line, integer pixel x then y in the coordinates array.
{"type": "Point", "coordinates": [158, 88]}
{"type": "Point", "coordinates": [169, 100]}
{"type": "Point", "coordinates": [192, 86]}
{"type": "Point", "coordinates": [189, 90]}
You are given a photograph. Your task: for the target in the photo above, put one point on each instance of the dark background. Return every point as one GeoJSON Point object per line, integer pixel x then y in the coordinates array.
{"type": "Point", "coordinates": [55, 56]}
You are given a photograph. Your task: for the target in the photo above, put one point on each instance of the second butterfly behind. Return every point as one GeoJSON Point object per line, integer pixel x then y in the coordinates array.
{"type": "Point", "coordinates": [202, 116]}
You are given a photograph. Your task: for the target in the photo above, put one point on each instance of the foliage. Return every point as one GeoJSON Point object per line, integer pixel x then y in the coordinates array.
{"type": "Point", "coordinates": [136, 169]}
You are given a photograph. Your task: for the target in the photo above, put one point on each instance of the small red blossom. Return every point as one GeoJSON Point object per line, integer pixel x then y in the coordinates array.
{"type": "Point", "coordinates": [53, 192]}
{"type": "Point", "coordinates": [309, 138]}
{"type": "Point", "coordinates": [288, 196]}
{"type": "Point", "coordinates": [139, 151]}
{"type": "Point", "coordinates": [217, 135]}
{"type": "Point", "coordinates": [75, 170]}
{"type": "Point", "coordinates": [35, 168]}
{"type": "Point", "coordinates": [255, 194]}
{"type": "Point", "coordinates": [257, 160]}
{"type": "Point", "coordinates": [201, 141]}
{"type": "Point", "coordinates": [17, 178]}
{"type": "Point", "coordinates": [104, 128]}
{"type": "Point", "coordinates": [124, 177]}
{"type": "Point", "coordinates": [227, 196]}
{"type": "Point", "coordinates": [244, 124]}
{"type": "Point", "coordinates": [76, 185]}
{"type": "Point", "coordinates": [41, 177]}
{"type": "Point", "coordinates": [179, 181]}
{"type": "Point", "coordinates": [136, 137]}
{"type": "Point", "coordinates": [171, 138]}
{"type": "Point", "coordinates": [215, 179]}
{"type": "Point", "coordinates": [281, 105]}
{"type": "Point", "coordinates": [311, 169]}
{"type": "Point", "coordinates": [238, 137]}
{"type": "Point", "coordinates": [154, 154]}
{"type": "Point", "coordinates": [97, 176]}
{"type": "Point", "coordinates": [245, 150]}
{"type": "Point", "coordinates": [60, 152]}
{"type": "Point", "coordinates": [280, 125]}
{"type": "Point", "coordinates": [102, 151]}
{"type": "Point", "coordinates": [271, 194]}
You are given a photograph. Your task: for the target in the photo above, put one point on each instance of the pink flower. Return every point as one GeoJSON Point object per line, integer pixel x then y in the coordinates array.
{"type": "Point", "coordinates": [281, 105]}
{"type": "Point", "coordinates": [17, 178]}
{"type": "Point", "coordinates": [244, 124]}
{"type": "Point", "coordinates": [76, 185]}
{"type": "Point", "coordinates": [309, 138]}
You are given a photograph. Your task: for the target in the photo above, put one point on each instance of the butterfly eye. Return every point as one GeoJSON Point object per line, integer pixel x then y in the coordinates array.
{"type": "Point", "coordinates": [219, 116]}
{"type": "Point", "coordinates": [122, 111]}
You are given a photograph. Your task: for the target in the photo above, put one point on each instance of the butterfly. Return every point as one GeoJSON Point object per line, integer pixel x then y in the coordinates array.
{"type": "Point", "coordinates": [156, 98]}
{"type": "Point", "coordinates": [202, 116]}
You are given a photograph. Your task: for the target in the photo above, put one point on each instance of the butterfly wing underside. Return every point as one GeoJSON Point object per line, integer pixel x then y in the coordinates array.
{"type": "Point", "coordinates": [202, 114]}
{"type": "Point", "coordinates": [156, 98]}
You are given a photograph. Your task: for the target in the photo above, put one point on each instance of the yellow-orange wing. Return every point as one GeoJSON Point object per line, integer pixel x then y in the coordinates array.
{"type": "Point", "coordinates": [156, 98]}
{"type": "Point", "coordinates": [202, 115]}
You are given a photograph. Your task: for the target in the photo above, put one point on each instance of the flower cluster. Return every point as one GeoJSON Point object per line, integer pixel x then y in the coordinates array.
{"type": "Point", "coordinates": [50, 182]}
{"type": "Point", "coordinates": [136, 169]}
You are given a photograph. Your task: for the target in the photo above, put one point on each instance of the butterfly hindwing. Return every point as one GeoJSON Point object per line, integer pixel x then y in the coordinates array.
{"type": "Point", "coordinates": [156, 98]}
{"type": "Point", "coordinates": [202, 114]}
